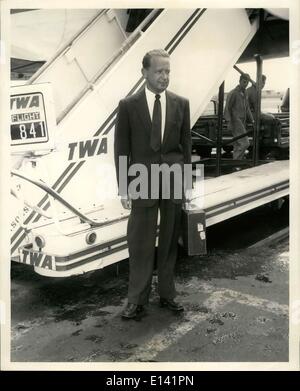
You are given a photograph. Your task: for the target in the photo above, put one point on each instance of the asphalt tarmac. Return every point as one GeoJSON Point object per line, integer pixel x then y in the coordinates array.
{"type": "Point", "coordinates": [235, 299]}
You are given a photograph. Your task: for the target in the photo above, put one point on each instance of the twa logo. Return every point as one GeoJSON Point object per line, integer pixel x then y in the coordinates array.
{"type": "Point", "coordinates": [37, 259]}
{"type": "Point", "coordinates": [25, 101]}
{"type": "Point", "coordinates": [87, 148]}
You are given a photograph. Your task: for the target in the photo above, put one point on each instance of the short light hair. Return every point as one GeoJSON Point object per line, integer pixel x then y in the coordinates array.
{"type": "Point", "coordinates": [154, 53]}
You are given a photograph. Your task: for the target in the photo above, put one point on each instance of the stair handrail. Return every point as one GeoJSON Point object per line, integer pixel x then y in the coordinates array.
{"type": "Point", "coordinates": [50, 191]}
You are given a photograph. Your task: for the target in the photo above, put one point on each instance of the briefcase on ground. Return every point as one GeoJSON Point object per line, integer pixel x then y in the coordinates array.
{"type": "Point", "coordinates": [194, 231]}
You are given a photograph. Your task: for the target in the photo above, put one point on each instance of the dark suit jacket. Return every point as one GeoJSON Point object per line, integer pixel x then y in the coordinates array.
{"type": "Point", "coordinates": [133, 131]}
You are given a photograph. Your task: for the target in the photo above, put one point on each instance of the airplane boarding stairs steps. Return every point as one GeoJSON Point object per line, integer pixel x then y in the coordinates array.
{"type": "Point", "coordinates": [203, 44]}
{"type": "Point", "coordinates": [80, 61]}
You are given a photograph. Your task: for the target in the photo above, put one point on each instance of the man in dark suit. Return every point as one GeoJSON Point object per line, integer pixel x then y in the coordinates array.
{"type": "Point", "coordinates": [152, 128]}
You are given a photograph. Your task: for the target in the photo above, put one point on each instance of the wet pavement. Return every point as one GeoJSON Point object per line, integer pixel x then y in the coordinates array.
{"type": "Point", "coordinates": [235, 298]}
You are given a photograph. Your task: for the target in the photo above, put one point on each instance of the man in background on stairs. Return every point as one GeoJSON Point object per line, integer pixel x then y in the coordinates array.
{"type": "Point", "coordinates": [237, 112]}
{"type": "Point", "coordinates": [265, 118]}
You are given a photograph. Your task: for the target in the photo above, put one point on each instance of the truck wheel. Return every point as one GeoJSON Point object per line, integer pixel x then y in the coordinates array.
{"type": "Point", "coordinates": [228, 148]}
{"type": "Point", "coordinates": [204, 151]}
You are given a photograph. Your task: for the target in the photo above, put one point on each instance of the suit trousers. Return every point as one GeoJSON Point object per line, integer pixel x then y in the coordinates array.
{"type": "Point", "coordinates": [141, 236]}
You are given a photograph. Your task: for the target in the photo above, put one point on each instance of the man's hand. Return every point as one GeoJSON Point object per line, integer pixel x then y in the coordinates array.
{"type": "Point", "coordinates": [188, 195]}
{"type": "Point", "coordinates": [187, 199]}
{"type": "Point", "coordinates": [126, 202]}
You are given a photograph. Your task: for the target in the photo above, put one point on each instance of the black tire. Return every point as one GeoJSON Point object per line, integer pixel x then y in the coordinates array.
{"type": "Point", "coordinates": [228, 148]}
{"type": "Point", "coordinates": [204, 151]}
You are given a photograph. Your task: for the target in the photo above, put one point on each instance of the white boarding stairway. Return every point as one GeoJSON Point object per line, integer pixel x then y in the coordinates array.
{"type": "Point", "coordinates": [204, 44]}
{"type": "Point", "coordinates": [79, 62]}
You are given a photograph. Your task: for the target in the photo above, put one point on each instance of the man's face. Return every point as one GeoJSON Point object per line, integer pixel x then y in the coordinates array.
{"type": "Point", "coordinates": [157, 75]}
{"type": "Point", "coordinates": [244, 83]}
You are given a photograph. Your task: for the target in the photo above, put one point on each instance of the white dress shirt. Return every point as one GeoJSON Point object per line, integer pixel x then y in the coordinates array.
{"type": "Point", "coordinates": [150, 97]}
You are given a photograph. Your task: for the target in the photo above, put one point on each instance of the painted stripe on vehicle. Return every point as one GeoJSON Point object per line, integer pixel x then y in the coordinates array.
{"type": "Point", "coordinates": [237, 202]}
{"type": "Point", "coordinates": [62, 186]}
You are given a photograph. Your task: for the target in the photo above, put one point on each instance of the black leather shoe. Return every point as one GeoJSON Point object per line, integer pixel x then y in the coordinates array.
{"type": "Point", "coordinates": [131, 311]}
{"type": "Point", "coordinates": [171, 305]}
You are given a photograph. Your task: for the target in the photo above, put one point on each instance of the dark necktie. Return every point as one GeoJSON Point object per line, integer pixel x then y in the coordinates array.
{"type": "Point", "coordinates": [156, 125]}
